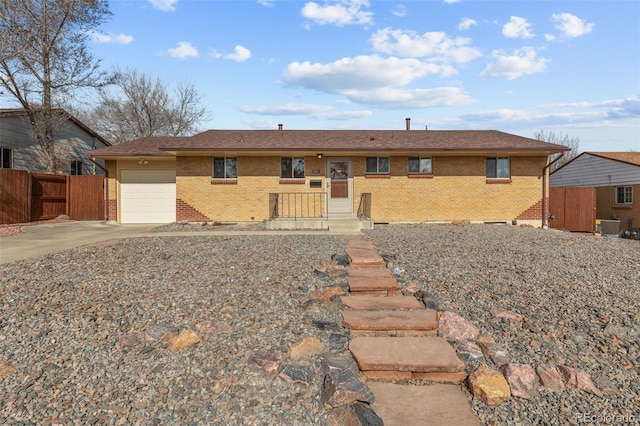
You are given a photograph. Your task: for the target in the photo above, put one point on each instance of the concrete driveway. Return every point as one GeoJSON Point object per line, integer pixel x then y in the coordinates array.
{"type": "Point", "coordinates": [37, 240]}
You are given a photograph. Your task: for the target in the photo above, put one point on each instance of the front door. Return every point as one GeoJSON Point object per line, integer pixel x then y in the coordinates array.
{"type": "Point", "coordinates": [339, 185]}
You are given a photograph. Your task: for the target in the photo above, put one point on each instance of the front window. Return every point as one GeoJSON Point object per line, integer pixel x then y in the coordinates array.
{"type": "Point", "coordinates": [292, 167]}
{"type": "Point", "coordinates": [225, 168]}
{"type": "Point", "coordinates": [5, 158]}
{"type": "Point", "coordinates": [377, 164]}
{"type": "Point", "coordinates": [624, 195]}
{"type": "Point", "coordinates": [420, 165]}
{"type": "Point", "coordinates": [498, 168]}
{"type": "Point", "coordinates": [76, 168]}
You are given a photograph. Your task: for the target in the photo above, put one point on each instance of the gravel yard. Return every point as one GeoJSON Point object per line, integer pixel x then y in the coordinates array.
{"type": "Point", "coordinates": [69, 321]}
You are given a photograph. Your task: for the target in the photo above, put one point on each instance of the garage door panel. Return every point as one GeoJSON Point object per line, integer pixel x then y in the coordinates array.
{"type": "Point", "coordinates": [148, 196]}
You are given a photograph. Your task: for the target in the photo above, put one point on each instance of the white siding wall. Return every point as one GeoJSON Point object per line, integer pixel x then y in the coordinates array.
{"type": "Point", "coordinates": [591, 171]}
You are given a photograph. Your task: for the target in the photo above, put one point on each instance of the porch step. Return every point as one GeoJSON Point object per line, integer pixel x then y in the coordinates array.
{"type": "Point", "coordinates": [408, 358]}
{"type": "Point", "coordinates": [381, 303]}
{"type": "Point", "coordinates": [371, 282]}
{"type": "Point", "coordinates": [419, 322]}
{"type": "Point", "coordinates": [438, 405]}
{"type": "Point", "coordinates": [364, 258]}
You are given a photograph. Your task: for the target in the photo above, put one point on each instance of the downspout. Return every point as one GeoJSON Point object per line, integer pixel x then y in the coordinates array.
{"type": "Point", "coordinates": [544, 190]}
{"type": "Point", "coordinates": [106, 188]}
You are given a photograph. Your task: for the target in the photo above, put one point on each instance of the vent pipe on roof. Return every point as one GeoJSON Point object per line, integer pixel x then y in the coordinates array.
{"type": "Point", "coordinates": [408, 124]}
{"type": "Point", "coordinates": [279, 126]}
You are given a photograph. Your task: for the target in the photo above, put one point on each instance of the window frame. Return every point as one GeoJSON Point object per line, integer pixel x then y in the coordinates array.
{"type": "Point", "coordinates": [6, 158]}
{"type": "Point", "coordinates": [496, 168]}
{"type": "Point", "coordinates": [225, 171]}
{"type": "Point", "coordinates": [76, 168]}
{"type": "Point", "coordinates": [377, 171]}
{"type": "Point", "coordinates": [292, 175]}
{"type": "Point", "coordinates": [420, 172]}
{"type": "Point", "coordinates": [627, 194]}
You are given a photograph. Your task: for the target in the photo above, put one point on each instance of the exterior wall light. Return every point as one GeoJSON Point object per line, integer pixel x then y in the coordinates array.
{"type": "Point", "coordinates": [319, 155]}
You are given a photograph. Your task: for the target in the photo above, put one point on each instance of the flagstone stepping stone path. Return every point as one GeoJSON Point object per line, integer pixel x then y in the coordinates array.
{"type": "Point", "coordinates": [395, 339]}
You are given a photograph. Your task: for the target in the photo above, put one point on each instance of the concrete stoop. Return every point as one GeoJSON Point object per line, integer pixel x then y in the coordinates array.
{"type": "Point", "coordinates": [395, 339]}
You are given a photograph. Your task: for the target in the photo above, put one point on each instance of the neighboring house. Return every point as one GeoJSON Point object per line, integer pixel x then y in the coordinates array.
{"type": "Point", "coordinates": [616, 179]}
{"type": "Point", "coordinates": [19, 150]}
{"type": "Point", "coordinates": [385, 175]}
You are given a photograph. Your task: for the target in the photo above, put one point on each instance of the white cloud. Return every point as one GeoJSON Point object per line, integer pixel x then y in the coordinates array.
{"type": "Point", "coordinates": [451, 1]}
{"type": "Point", "coordinates": [466, 23]}
{"type": "Point", "coordinates": [517, 28]}
{"type": "Point", "coordinates": [614, 108]}
{"type": "Point", "coordinates": [339, 12]}
{"type": "Point", "coordinates": [266, 3]}
{"type": "Point", "coordinates": [184, 50]}
{"type": "Point", "coordinates": [323, 112]}
{"type": "Point", "coordinates": [358, 73]}
{"type": "Point", "coordinates": [399, 11]}
{"type": "Point", "coordinates": [376, 81]}
{"type": "Point", "coordinates": [164, 5]}
{"type": "Point", "coordinates": [436, 45]}
{"type": "Point", "coordinates": [518, 64]}
{"type": "Point", "coordinates": [549, 37]}
{"type": "Point", "coordinates": [400, 98]}
{"type": "Point", "coordinates": [240, 54]}
{"type": "Point", "coordinates": [570, 25]}
{"type": "Point", "coordinates": [110, 38]}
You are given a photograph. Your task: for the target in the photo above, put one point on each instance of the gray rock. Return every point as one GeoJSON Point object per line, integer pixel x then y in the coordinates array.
{"type": "Point", "coordinates": [297, 374]}
{"type": "Point", "coordinates": [338, 342]}
{"type": "Point", "coordinates": [343, 387]}
{"type": "Point", "coordinates": [155, 332]}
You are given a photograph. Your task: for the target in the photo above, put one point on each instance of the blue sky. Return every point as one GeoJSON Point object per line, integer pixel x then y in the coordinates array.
{"type": "Point", "coordinates": [515, 66]}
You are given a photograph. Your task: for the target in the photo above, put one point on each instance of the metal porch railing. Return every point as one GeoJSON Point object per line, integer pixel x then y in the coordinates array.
{"type": "Point", "coordinates": [364, 208]}
{"type": "Point", "coordinates": [297, 205]}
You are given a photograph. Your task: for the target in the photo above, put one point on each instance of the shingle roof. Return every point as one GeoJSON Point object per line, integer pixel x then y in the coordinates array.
{"type": "Point", "coordinates": [13, 112]}
{"type": "Point", "coordinates": [334, 141]}
{"type": "Point", "coordinates": [625, 157]}
{"type": "Point", "coordinates": [148, 146]}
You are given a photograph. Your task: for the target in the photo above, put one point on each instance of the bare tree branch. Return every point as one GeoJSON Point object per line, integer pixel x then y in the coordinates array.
{"type": "Point", "coordinates": [140, 106]}
{"type": "Point", "coordinates": [560, 139]}
{"type": "Point", "coordinates": [44, 58]}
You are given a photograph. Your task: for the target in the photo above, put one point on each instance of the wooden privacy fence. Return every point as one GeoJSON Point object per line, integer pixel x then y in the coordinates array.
{"type": "Point", "coordinates": [27, 197]}
{"type": "Point", "coordinates": [573, 209]}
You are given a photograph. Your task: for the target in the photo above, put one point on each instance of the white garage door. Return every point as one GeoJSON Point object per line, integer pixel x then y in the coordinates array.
{"type": "Point", "coordinates": [148, 196]}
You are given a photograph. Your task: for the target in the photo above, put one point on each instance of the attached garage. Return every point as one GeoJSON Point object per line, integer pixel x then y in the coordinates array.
{"type": "Point", "coordinates": [147, 196]}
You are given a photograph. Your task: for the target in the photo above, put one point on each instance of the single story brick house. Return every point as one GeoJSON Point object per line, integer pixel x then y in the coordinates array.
{"type": "Point", "coordinates": [616, 179]}
{"type": "Point", "coordinates": [379, 175]}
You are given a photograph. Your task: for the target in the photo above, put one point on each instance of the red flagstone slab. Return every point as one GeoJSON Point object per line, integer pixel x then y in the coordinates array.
{"type": "Point", "coordinates": [423, 319]}
{"type": "Point", "coordinates": [364, 258]}
{"type": "Point", "coordinates": [454, 378]}
{"type": "Point", "coordinates": [375, 303]}
{"type": "Point", "coordinates": [369, 273]}
{"type": "Point", "coordinates": [415, 354]}
{"type": "Point", "coordinates": [394, 376]}
{"type": "Point", "coordinates": [383, 283]}
{"type": "Point", "coordinates": [437, 405]}
{"type": "Point", "coordinates": [361, 244]}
